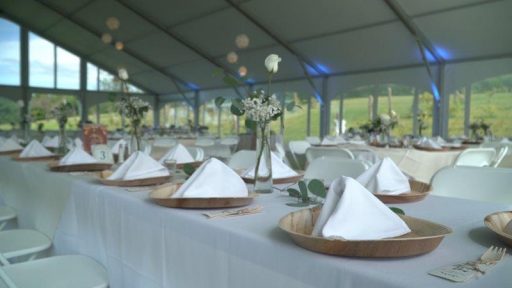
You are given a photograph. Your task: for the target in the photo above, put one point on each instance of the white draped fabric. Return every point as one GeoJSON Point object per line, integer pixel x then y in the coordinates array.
{"type": "Point", "coordinates": [145, 245]}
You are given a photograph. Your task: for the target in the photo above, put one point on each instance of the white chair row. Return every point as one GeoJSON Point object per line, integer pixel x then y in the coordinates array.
{"type": "Point", "coordinates": [60, 271]}
{"type": "Point", "coordinates": [327, 169]}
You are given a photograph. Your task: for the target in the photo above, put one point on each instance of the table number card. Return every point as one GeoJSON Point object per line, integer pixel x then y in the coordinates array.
{"type": "Point", "coordinates": [102, 153]}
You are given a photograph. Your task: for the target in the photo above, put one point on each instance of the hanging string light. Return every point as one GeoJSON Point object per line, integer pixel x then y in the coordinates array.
{"type": "Point", "coordinates": [242, 41]}
{"type": "Point", "coordinates": [106, 38]}
{"type": "Point", "coordinates": [242, 71]}
{"type": "Point", "coordinates": [232, 57]}
{"type": "Point", "coordinates": [119, 45]}
{"type": "Point", "coordinates": [112, 23]}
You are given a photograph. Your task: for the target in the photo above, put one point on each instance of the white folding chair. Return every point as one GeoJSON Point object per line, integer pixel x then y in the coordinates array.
{"type": "Point", "coordinates": [502, 152]}
{"type": "Point", "coordinates": [6, 214]}
{"type": "Point", "coordinates": [243, 159]}
{"type": "Point", "coordinates": [165, 142]}
{"type": "Point", "coordinates": [316, 152]}
{"type": "Point", "coordinates": [477, 157]}
{"type": "Point", "coordinates": [231, 142]}
{"type": "Point", "coordinates": [197, 153]}
{"type": "Point", "coordinates": [313, 140]}
{"type": "Point", "coordinates": [298, 149]}
{"type": "Point", "coordinates": [477, 183]}
{"type": "Point", "coordinates": [55, 272]}
{"type": "Point", "coordinates": [22, 242]}
{"type": "Point", "coordinates": [218, 150]}
{"type": "Point", "coordinates": [329, 168]}
{"type": "Point", "coordinates": [203, 142]}
{"type": "Point", "coordinates": [366, 155]}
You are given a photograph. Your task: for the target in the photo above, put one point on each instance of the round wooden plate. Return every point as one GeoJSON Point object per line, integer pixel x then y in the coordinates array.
{"type": "Point", "coordinates": [137, 182]}
{"type": "Point", "coordinates": [497, 222]}
{"type": "Point", "coordinates": [424, 237]}
{"type": "Point", "coordinates": [10, 152]}
{"type": "Point", "coordinates": [419, 191]}
{"type": "Point", "coordinates": [162, 197]}
{"type": "Point", "coordinates": [193, 164]}
{"type": "Point", "coordinates": [55, 167]}
{"type": "Point", "coordinates": [286, 180]}
{"type": "Point", "coordinates": [43, 158]}
{"type": "Point", "coordinates": [422, 148]}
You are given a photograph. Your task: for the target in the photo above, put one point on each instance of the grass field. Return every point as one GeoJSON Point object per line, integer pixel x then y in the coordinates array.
{"type": "Point", "coordinates": [493, 108]}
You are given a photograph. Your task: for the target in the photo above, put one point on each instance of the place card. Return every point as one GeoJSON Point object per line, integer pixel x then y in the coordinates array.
{"type": "Point", "coordinates": [234, 212]}
{"type": "Point", "coordinates": [102, 153]}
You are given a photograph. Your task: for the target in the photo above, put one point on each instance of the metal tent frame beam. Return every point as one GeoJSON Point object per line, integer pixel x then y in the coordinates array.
{"type": "Point", "coordinates": [42, 33]}
{"type": "Point", "coordinates": [175, 79]}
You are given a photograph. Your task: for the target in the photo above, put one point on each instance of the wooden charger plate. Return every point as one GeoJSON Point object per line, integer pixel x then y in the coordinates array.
{"type": "Point", "coordinates": [55, 167]}
{"type": "Point", "coordinates": [43, 158]}
{"type": "Point", "coordinates": [10, 152]}
{"type": "Point", "coordinates": [422, 148]}
{"type": "Point", "coordinates": [286, 180]}
{"type": "Point", "coordinates": [497, 222]}
{"type": "Point", "coordinates": [193, 164]}
{"type": "Point", "coordinates": [137, 182]}
{"type": "Point", "coordinates": [424, 238]}
{"type": "Point", "coordinates": [162, 197]}
{"type": "Point", "coordinates": [419, 191]}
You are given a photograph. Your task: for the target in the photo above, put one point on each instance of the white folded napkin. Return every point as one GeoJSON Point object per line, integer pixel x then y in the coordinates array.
{"type": "Point", "coordinates": [178, 153]}
{"type": "Point", "coordinates": [353, 213]}
{"type": "Point", "coordinates": [139, 166]}
{"type": "Point", "coordinates": [508, 228]}
{"type": "Point", "coordinates": [53, 142]}
{"type": "Point", "coordinates": [77, 156]}
{"type": "Point", "coordinates": [428, 143]}
{"type": "Point", "coordinates": [340, 140]}
{"type": "Point", "coordinates": [279, 169]}
{"type": "Point", "coordinates": [213, 179]}
{"type": "Point", "coordinates": [78, 143]}
{"type": "Point", "coordinates": [505, 140]}
{"type": "Point", "coordinates": [117, 135]}
{"type": "Point", "coordinates": [45, 140]}
{"type": "Point", "coordinates": [439, 140]}
{"type": "Point", "coordinates": [328, 141]}
{"type": "Point", "coordinates": [385, 177]}
{"type": "Point", "coordinates": [35, 149]}
{"type": "Point", "coordinates": [10, 145]}
{"type": "Point", "coordinates": [117, 146]}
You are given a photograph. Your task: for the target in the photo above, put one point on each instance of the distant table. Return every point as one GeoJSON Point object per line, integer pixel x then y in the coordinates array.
{"type": "Point", "coordinates": [145, 245]}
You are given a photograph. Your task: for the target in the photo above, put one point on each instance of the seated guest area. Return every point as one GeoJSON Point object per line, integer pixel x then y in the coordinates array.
{"type": "Point", "coordinates": [255, 143]}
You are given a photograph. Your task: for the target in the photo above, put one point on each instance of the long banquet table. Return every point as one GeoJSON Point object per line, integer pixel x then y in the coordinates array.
{"type": "Point", "coordinates": [145, 245]}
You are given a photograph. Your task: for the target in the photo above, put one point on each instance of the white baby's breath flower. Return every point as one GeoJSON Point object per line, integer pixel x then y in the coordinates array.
{"type": "Point", "coordinates": [271, 63]}
{"type": "Point", "coordinates": [385, 119]}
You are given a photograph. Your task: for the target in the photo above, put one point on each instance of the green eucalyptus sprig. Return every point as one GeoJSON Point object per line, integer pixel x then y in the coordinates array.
{"type": "Point", "coordinates": [315, 187]}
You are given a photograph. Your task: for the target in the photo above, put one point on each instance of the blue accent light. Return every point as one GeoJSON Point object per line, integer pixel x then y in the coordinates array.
{"type": "Point", "coordinates": [319, 99]}
{"type": "Point", "coordinates": [320, 67]}
{"type": "Point", "coordinates": [435, 91]}
{"type": "Point", "coordinates": [192, 86]}
{"type": "Point", "coordinates": [250, 81]}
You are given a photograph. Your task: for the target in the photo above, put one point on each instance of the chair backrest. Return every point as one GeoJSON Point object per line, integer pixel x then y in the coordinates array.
{"type": "Point", "coordinates": [366, 155]}
{"type": "Point", "coordinates": [329, 168]}
{"type": "Point", "coordinates": [477, 183]}
{"type": "Point", "coordinates": [196, 152]}
{"type": "Point", "coordinates": [502, 152]}
{"type": "Point", "coordinates": [316, 152]}
{"type": "Point", "coordinates": [477, 157]}
{"type": "Point", "coordinates": [205, 142]}
{"type": "Point", "coordinates": [298, 151]}
{"type": "Point", "coordinates": [313, 140]}
{"type": "Point", "coordinates": [243, 159]}
{"type": "Point", "coordinates": [165, 142]}
{"type": "Point", "coordinates": [298, 147]}
{"type": "Point", "coordinates": [218, 151]}
{"type": "Point", "coordinates": [230, 140]}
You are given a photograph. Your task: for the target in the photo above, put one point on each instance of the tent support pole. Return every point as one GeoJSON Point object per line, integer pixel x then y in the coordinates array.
{"type": "Point", "coordinates": [467, 109]}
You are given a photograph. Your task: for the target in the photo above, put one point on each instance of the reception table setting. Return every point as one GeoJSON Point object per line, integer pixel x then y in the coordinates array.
{"type": "Point", "coordinates": [173, 221]}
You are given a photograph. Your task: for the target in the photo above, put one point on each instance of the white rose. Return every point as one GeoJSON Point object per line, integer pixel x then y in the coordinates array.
{"type": "Point", "coordinates": [122, 73]}
{"type": "Point", "coordinates": [385, 119]}
{"type": "Point", "coordinates": [271, 63]}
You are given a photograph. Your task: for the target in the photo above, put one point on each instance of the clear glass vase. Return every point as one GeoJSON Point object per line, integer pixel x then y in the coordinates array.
{"type": "Point", "coordinates": [136, 142]}
{"type": "Point", "coordinates": [62, 149]}
{"type": "Point", "coordinates": [263, 172]}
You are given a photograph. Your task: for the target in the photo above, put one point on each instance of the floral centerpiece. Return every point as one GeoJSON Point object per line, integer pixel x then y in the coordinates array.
{"type": "Point", "coordinates": [479, 129]}
{"type": "Point", "coordinates": [382, 125]}
{"type": "Point", "coordinates": [61, 113]}
{"type": "Point", "coordinates": [260, 108]}
{"type": "Point", "coordinates": [134, 109]}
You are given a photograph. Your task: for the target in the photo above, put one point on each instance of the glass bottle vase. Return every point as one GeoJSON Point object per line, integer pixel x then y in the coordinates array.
{"type": "Point", "coordinates": [263, 171]}
{"type": "Point", "coordinates": [62, 149]}
{"type": "Point", "coordinates": [136, 143]}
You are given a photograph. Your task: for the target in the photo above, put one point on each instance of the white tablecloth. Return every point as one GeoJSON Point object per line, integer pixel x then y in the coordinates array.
{"type": "Point", "coordinates": [144, 245]}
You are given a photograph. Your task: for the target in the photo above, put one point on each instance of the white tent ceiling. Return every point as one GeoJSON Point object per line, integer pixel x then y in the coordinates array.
{"type": "Point", "coordinates": [354, 42]}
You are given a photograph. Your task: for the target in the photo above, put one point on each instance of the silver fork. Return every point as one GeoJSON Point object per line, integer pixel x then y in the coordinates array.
{"type": "Point", "coordinates": [493, 255]}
